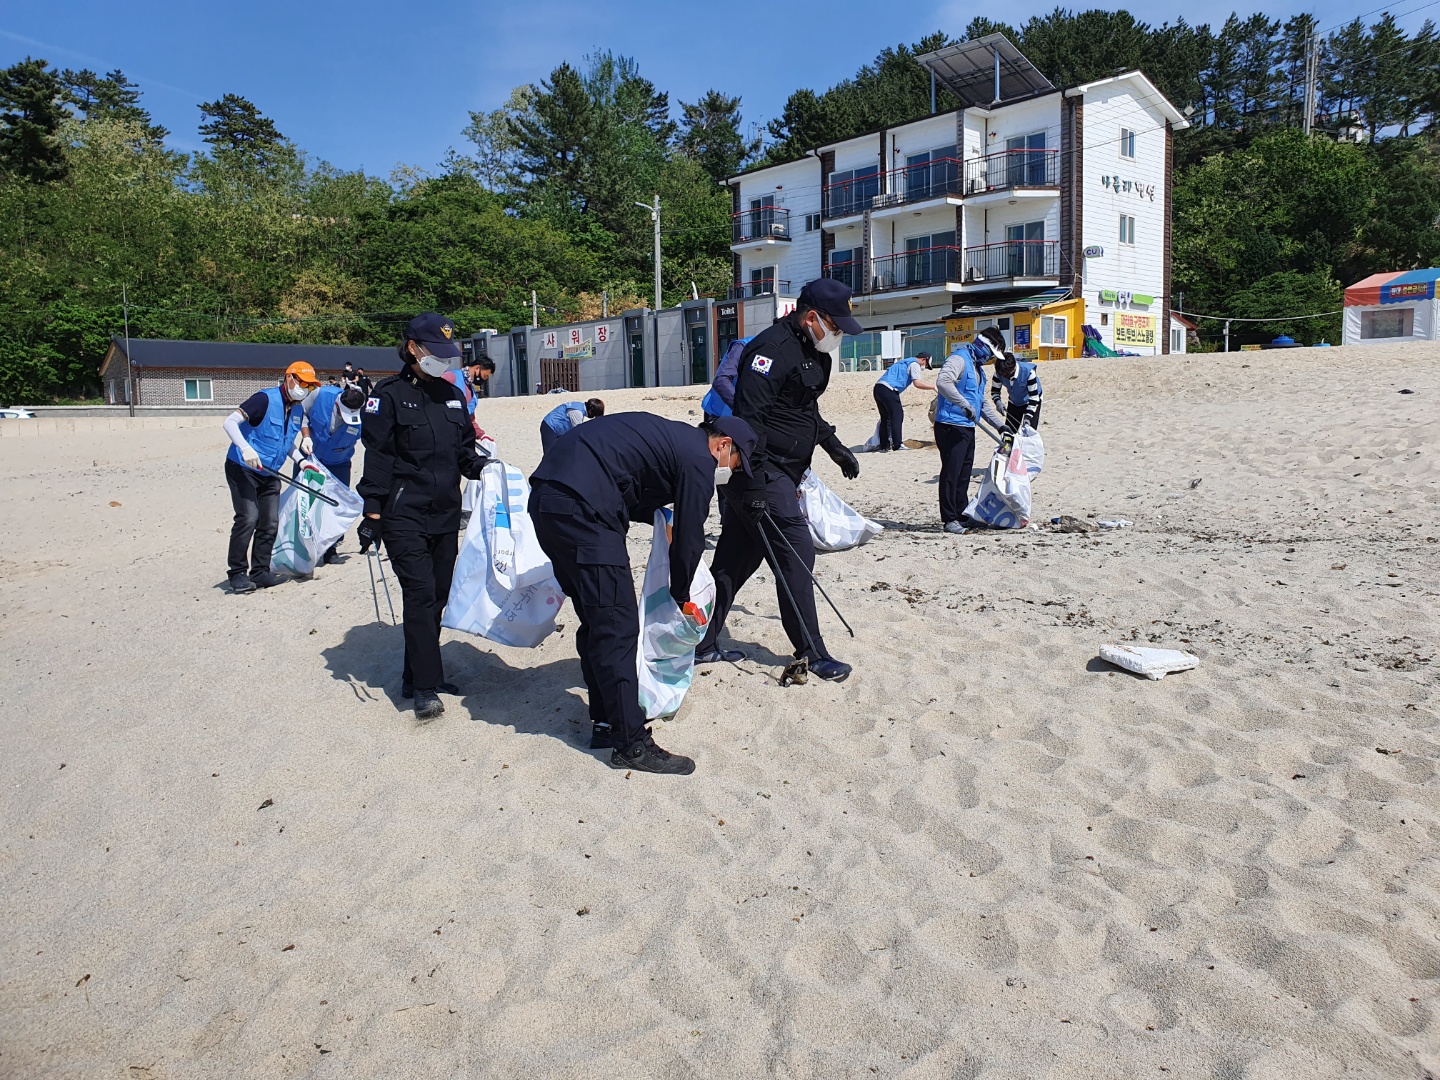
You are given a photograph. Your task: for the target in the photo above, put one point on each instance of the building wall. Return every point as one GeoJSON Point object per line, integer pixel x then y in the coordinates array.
{"type": "Point", "coordinates": [986, 132]}
{"type": "Point", "coordinates": [796, 188]}
{"type": "Point", "coordinates": [1141, 194]}
{"type": "Point", "coordinates": [922, 136]}
{"type": "Point", "coordinates": [228, 388]}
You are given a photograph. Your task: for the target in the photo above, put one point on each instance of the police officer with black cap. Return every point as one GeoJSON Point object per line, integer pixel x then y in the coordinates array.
{"type": "Point", "coordinates": [594, 483]}
{"type": "Point", "coordinates": [781, 375]}
{"type": "Point", "coordinates": [418, 443]}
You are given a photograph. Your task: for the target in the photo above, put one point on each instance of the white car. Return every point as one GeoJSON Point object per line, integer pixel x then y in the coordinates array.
{"type": "Point", "coordinates": [16, 412]}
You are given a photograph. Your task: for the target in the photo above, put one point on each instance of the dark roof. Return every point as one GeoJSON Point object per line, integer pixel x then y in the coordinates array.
{"type": "Point", "coordinates": [249, 356]}
{"type": "Point", "coordinates": [1006, 305]}
{"type": "Point", "coordinates": [967, 70]}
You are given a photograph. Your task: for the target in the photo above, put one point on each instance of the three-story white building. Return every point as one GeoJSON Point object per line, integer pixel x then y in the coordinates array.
{"type": "Point", "coordinates": [1025, 196]}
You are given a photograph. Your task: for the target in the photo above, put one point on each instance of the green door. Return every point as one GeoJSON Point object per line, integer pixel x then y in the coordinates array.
{"type": "Point", "coordinates": [699, 354]}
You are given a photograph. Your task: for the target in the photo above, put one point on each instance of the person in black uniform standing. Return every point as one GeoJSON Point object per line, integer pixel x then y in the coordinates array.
{"type": "Point", "coordinates": [418, 443]}
{"type": "Point", "coordinates": [591, 486]}
{"type": "Point", "coordinates": [782, 373]}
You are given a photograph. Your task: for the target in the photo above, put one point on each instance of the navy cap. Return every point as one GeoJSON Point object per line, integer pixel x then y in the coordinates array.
{"type": "Point", "coordinates": [832, 298]}
{"type": "Point", "coordinates": [436, 333]}
{"type": "Point", "coordinates": [741, 434]}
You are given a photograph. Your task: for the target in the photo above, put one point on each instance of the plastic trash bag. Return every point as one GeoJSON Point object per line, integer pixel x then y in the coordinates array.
{"type": "Point", "coordinates": [470, 497]}
{"type": "Point", "coordinates": [873, 442]}
{"type": "Point", "coordinates": [1003, 499]}
{"type": "Point", "coordinates": [504, 587]}
{"type": "Point", "coordinates": [666, 657]}
{"type": "Point", "coordinates": [834, 524]}
{"type": "Point", "coordinates": [308, 526]}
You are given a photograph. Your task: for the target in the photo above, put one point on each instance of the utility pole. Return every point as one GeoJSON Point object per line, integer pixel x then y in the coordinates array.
{"type": "Point", "coordinates": [1227, 335]}
{"type": "Point", "coordinates": [1312, 67]}
{"type": "Point", "coordinates": [604, 303]}
{"type": "Point", "coordinates": [534, 310]}
{"type": "Point", "coordinates": [129, 367]}
{"type": "Point", "coordinates": [655, 217]}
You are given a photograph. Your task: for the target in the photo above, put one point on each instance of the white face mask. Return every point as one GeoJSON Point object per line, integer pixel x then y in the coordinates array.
{"type": "Point", "coordinates": [434, 366]}
{"type": "Point", "coordinates": [723, 474]}
{"type": "Point", "coordinates": [829, 340]}
{"type": "Point", "coordinates": [298, 393]}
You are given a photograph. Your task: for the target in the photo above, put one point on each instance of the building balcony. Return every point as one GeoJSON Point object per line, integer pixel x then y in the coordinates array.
{"type": "Point", "coordinates": [748, 290]}
{"type": "Point", "coordinates": [759, 227]}
{"type": "Point", "coordinates": [848, 198]}
{"type": "Point", "coordinates": [851, 272]}
{"type": "Point", "coordinates": [1011, 262]}
{"type": "Point", "coordinates": [1012, 173]}
{"type": "Point", "coordinates": [923, 268]}
{"type": "Point", "coordinates": [934, 182]}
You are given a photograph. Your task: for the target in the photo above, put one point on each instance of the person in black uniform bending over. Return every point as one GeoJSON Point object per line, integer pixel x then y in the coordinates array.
{"type": "Point", "coordinates": [592, 485]}
{"type": "Point", "coordinates": [418, 443]}
{"type": "Point", "coordinates": [782, 373]}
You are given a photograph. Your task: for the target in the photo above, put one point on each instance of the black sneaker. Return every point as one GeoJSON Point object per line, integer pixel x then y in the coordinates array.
{"type": "Point", "coordinates": [427, 705]}
{"type": "Point", "coordinates": [240, 584]}
{"type": "Point", "coordinates": [266, 579]}
{"type": "Point", "coordinates": [407, 689]}
{"type": "Point", "coordinates": [830, 670]}
{"type": "Point", "coordinates": [600, 737]}
{"type": "Point", "coordinates": [717, 656]}
{"type": "Point", "coordinates": [647, 757]}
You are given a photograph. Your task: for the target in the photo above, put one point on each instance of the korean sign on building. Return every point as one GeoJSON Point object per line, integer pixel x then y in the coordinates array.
{"type": "Point", "coordinates": [1131, 329]}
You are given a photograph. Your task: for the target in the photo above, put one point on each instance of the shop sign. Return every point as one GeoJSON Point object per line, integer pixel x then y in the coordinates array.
{"type": "Point", "coordinates": [727, 311]}
{"type": "Point", "coordinates": [1413, 290]}
{"type": "Point", "coordinates": [1134, 329]}
{"type": "Point", "coordinates": [1022, 336]}
{"type": "Point", "coordinates": [602, 334]}
{"type": "Point", "coordinates": [1094, 251]}
{"type": "Point", "coordinates": [1125, 298]}
{"type": "Point", "coordinates": [1138, 188]}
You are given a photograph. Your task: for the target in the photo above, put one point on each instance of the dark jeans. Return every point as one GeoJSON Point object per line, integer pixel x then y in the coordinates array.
{"type": "Point", "coordinates": [957, 458]}
{"type": "Point", "coordinates": [892, 416]}
{"type": "Point", "coordinates": [1015, 416]}
{"type": "Point", "coordinates": [593, 570]}
{"type": "Point", "coordinates": [256, 500]}
{"type": "Point", "coordinates": [547, 438]}
{"type": "Point", "coordinates": [740, 551]}
{"type": "Point", "coordinates": [424, 563]}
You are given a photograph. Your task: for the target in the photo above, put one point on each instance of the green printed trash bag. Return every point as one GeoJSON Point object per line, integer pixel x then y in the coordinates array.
{"type": "Point", "coordinates": [666, 657]}
{"type": "Point", "coordinates": [309, 526]}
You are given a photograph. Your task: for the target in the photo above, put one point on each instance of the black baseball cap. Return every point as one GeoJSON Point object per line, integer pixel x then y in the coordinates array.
{"type": "Point", "coordinates": [832, 298]}
{"type": "Point", "coordinates": [436, 333]}
{"type": "Point", "coordinates": [741, 434]}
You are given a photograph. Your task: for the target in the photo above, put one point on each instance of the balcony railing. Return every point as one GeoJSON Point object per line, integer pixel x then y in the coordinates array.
{"type": "Point", "coordinates": [761, 223]}
{"type": "Point", "coordinates": [1012, 259]}
{"type": "Point", "coordinates": [1012, 169]}
{"type": "Point", "coordinates": [929, 180]}
{"type": "Point", "coordinates": [912, 269]}
{"type": "Point", "coordinates": [745, 290]}
{"type": "Point", "coordinates": [851, 272]}
{"type": "Point", "coordinates": [850, 196]}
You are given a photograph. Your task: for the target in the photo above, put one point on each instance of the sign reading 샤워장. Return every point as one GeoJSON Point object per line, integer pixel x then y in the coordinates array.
{"type": "Point", "coordinates": [1134, 329]}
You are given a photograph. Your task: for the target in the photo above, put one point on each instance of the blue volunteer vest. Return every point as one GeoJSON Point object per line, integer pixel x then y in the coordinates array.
{"type": "Point", "coordinates": [333, 446]}
{"type": "Point", "coordinates": [714, 405]}
{"type": "Point", "coordinates": [971, 386]}
{"type": "Point", "coordinates": [897, 376]}
{"type": "Point", "coordinates": [275, 435]}
{"type": "Point", "coordinates": [557, 420]}
{"type": "Point", "coordinates": [1018, 388]}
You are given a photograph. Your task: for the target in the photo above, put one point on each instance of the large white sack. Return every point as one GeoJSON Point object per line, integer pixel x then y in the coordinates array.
{"type": "Point", "coordinates": [666, 657]}
{"type": "Point", "coordinates": [1003, 500]}
{"type": "Point", "coordinates": [834, 524]}
{"type": "Point", "coordinates": [873, 442]}
{"type": "Point", "coordinates": [504, 587]}
{"type": "Point", "coordinates": [470, 497]}
{"type": "Point", "coordinates": [309, 526]}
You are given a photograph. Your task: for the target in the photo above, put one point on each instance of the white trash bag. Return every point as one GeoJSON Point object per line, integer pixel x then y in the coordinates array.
{"type": "Point", "coordinates": [1003, 499]}
{"type": "Point", "coordinates": [666, 657]}
{"type": "Point", "coordinates": [470, 497]}
{"type": "Point", "coordinates": [309, 526]}
{"type": "Point", "coordinates": [504, 587]}
{"type": "Point", "coordinates": [873, 442]}
{"type": "Point", "coordinates": [834, 524]}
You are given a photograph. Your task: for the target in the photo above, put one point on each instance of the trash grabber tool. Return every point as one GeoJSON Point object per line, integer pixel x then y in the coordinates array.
{"type": "Point", "coordinates": [813, 580]}
{"type": "Point", "coordinates": [386, 586]}
{"type": "Point", "coordinates": [374, 592]}
{"type": "Point", "coordinates": [775, 567]}
{"type": "Point", "coordinates": [303, 487]}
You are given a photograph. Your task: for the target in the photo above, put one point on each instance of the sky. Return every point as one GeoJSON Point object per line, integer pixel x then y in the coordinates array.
{"type": "Point", "coordinates": [362, 84]}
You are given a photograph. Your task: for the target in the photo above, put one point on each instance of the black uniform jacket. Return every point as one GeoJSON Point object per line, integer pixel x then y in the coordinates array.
{"type": "Point", "coordinates": [624, 467]}
{"type": "Point", "coordinates": [418, 443]}
{"type": "Point", "coordinates": [777, 390]}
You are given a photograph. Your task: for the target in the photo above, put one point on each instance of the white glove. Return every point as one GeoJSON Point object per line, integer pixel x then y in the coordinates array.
{"type": "Point", "coordinates": [307, 446]}
{"type": "Point", "coordinates": [251, 458]}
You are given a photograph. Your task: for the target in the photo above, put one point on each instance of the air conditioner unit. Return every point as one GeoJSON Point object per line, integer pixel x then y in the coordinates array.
{"type": "Point", "coordinates": [973, 275]}
{"type": "Point", "coordinates": [976, 186]}
{"type": "Point", "coordinates": [779, 229]}
{"type": "Point", "coordinates": [890, 198]}
{"type": "Point", "coordinates": [884, 279]}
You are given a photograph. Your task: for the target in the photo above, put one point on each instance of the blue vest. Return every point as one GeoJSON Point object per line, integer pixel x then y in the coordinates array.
{"type": "Point", "coordinates": [971, 386]}
{"type": "Point", "coordinates": [897, 376]}
{"type": "Point", "coordinates": [275, 435]}
{"type": "Point", "coordinates": [333, 446]}
{"type": "Point", "coordinates": [558, 420]}
{"type": "Point", "coordinates": [1018, 388]}
{"type": "Point", "coordinates": [712, 404]}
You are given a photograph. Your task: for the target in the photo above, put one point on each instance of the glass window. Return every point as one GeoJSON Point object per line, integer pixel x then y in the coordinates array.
{"type": "Point", "coordinates": [1387, 324]}
{"type": "Point", "coordinates": [1127, 143]}
{"type": "Point", "coordinates": [1127, 229]}
{"type": "Point", "coordinates": [197, 390]}
{"type": "Point", "coordinates": [1054, 330]}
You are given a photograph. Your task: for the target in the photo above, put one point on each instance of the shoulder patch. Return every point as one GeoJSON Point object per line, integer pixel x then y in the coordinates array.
{"type": "Point", "coordinates": [761, 364]}
{"type": "Point", "coordinates": [452, 404]}
{"type": "Point", "coordinates": [372, 405]}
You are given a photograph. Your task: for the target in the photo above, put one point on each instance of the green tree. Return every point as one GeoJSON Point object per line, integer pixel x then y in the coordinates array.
{"type": "Point", "coordinates": [32, 109]}
{"type": "Point", "coordinates": [110, 96]}
{"type": "Point", "coordinates": [241, 135]}
{"type": "Point", "coordinates": [710, 134]}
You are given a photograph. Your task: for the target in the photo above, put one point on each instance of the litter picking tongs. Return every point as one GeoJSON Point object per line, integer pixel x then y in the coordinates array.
{"type": "Point", "coordinates": [303, 487]}
{"type": "Point", "coordinates": [373, 560]}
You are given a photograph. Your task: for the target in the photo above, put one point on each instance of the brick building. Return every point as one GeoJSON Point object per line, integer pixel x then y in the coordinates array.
{"type": "Point", "coordinates": [222, 373]}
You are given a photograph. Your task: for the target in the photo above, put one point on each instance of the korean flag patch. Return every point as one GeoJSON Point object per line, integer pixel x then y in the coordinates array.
{"type": "Point", "coordinates": [761, 364]}
{"type": "Point", "coordinates": [372, 405]}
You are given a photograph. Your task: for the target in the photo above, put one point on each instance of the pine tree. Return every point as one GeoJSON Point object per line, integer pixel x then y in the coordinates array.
{"type": "Point", "coordinates": [111, 96]}
{"type": "Point", "coordinates": [32, 107]}
{"type": "Point", "coordinates": [710, 133]}
{"type": "Point", "coordinates": [242, 135]}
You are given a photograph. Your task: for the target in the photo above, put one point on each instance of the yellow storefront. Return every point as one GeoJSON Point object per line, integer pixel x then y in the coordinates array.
{"type": "Point", "coordinates": [1044, 331]}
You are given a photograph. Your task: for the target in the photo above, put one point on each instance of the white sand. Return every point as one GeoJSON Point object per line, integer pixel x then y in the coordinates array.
{"type": "Point", "coordinates": [986, 855]}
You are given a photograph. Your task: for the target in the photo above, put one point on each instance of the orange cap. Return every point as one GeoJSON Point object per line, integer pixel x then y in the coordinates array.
{"type": "Point", "coordinates": [304, 372]}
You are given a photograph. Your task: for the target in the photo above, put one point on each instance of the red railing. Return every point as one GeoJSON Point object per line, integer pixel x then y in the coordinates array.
{"type": "Point", "coordinates": [931, 179]}
{"type": "Point", "coordinates": [745, 290]}
{"type": "Point", "coordinates": [1012, 169]}
{"type": "Point", "coordinates": [1012, 259]}
{"type": "Point", "coordinates": [760, 223]}
{"type": "Point", "coordinates": [910, 269]}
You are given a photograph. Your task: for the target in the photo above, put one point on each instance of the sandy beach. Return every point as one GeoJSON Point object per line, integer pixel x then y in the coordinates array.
{"type": "Point", "coordinates": [229, 851]}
